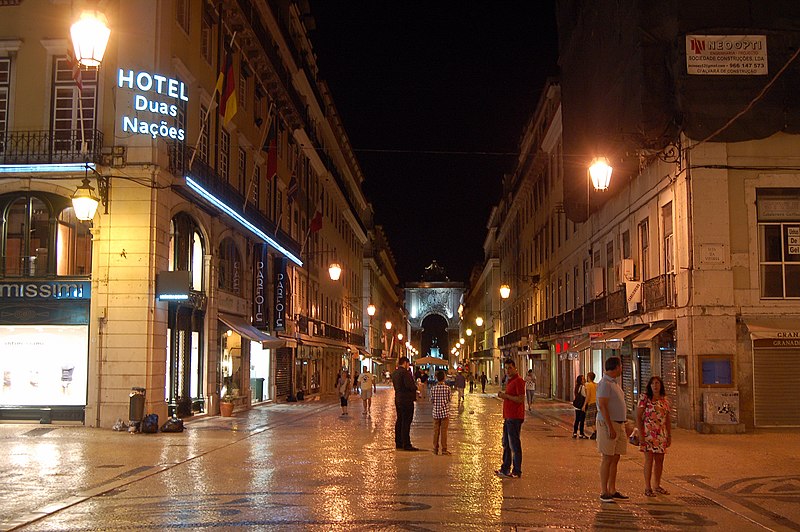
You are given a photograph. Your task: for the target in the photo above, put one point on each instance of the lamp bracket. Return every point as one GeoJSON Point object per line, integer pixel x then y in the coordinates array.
{"type": "Point", "coordinates": [103, 185]}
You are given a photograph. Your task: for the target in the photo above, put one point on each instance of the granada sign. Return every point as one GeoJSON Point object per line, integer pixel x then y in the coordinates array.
{"type": "Point", "coordinates": [158, 98]}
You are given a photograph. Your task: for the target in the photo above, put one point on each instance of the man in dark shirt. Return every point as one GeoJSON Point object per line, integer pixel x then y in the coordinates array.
{"type": "Point", "coordinates": [405, 393]}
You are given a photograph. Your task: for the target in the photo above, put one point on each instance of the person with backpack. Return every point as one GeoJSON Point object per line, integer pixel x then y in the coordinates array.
{"type": "Point", "coordinates": [580, 408]}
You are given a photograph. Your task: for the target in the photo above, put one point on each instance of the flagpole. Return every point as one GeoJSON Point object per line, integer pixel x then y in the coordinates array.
{"type": "Point", "coordinates": [255, 163]}
{"type": "Point", "coordinates": [208, 113]}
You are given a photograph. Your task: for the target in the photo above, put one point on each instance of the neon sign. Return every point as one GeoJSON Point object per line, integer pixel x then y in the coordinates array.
{"type": "Point", "coordinates": [150, 87]}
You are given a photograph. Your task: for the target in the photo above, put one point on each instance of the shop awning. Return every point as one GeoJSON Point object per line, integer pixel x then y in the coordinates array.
{"type": "Point", "coordinates": [643, 338]}
{"type": "Point", "coordinates": [618, 335]}
{"type": "Point", "coordinates": [246, 330]}
{"type": "Point", "coordinates": [579, 345]}
{"type": "Point", "coordinates": [772, 327]}
{"type": "Point", "coordinates": [364, 353]}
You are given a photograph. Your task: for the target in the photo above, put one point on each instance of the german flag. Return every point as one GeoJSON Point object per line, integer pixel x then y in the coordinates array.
{"type": "Point", "coordinates": [226, 87]}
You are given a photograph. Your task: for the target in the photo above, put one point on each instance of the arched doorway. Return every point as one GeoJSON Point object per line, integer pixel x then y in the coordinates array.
{"type": "Point", "coordinates": [434, 340]}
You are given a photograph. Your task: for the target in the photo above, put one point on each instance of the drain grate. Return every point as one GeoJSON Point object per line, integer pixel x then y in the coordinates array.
{"type": "Point", "coordinates": [697, 501]}
{"type": "Point", "coordinates": [109, 466]}
{"type": "Point", "coordinates": [37, 432]}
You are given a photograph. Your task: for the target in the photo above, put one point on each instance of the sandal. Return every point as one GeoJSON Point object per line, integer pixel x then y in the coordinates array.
{"type": "Point", "coordinates": [649, 493]}
{"type": "Point", "coordinates": [662, 491]}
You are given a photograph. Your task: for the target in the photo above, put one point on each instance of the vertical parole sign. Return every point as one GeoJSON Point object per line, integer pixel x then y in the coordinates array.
{"type": "Point", "coordinates": [281, 284]}
{"type": "Point", "coordinates": [259, 284]}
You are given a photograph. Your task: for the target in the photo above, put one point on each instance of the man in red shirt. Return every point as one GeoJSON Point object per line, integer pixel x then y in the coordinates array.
{"type": "Point", "coordinates": [513, 416]}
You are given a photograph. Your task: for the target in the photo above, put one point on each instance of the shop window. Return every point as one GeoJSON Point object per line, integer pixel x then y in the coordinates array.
{"type": "Point", "coordinates": [186, 249]}
{"type": "Point", "coordinates": [230, 264]}
{"type": "Point", "coordinates": [36, 242]}
{"type": "Point", "coordinates": [73, 118]}
{"type": "Point", "coordinates": [779, 243]}
{"type": "Point", "coordinates": [716, 370]}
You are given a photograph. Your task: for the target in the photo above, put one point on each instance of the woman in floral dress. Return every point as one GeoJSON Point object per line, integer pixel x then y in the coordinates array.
{"type": "Point", "coordinates": [655, 433]}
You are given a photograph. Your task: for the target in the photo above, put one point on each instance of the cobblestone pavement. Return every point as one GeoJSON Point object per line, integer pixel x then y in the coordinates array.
{"type": "Point", "coordinates": [306, 467]}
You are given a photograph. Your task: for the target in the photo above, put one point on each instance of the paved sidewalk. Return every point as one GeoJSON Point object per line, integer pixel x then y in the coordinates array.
{"type": "Point", "coordinates": [304, 467]}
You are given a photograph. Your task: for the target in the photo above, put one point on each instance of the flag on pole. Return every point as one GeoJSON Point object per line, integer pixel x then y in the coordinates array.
{"type": "Point", "coordinates": [316, 223]}
{"type": "Point", "coordinates": [73, 65]}
{"type": "Point", "coordinates": [226, 86]}
{"type": "Point", "coordinates": [291, 192]}
{"type": "Point", "coordinates": [271, 148]}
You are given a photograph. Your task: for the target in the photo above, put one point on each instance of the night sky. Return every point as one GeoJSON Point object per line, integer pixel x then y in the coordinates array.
{"type": "Point", "coordinates": [434, 96]}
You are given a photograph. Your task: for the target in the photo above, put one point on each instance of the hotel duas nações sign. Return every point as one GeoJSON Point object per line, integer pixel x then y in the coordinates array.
{"type": "Point", "coordinates": [151, 89]}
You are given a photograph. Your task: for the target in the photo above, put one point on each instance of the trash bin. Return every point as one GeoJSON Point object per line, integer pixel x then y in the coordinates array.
{"type": "Point", "coordinates": [257, 389]}
{"type": "Point", "coordinates": [136, 410]}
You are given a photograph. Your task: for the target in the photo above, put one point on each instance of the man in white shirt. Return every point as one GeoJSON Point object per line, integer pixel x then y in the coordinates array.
{"type": "Point", "coordinates": [611, 438]}
{"type": "Point", "coordinates": [368, 387]}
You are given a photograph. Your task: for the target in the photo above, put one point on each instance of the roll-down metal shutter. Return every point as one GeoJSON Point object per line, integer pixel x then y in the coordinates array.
{"type": "Point", "coordinates": [776, 379]}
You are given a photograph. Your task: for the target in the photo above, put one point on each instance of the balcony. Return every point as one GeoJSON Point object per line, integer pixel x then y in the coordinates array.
{"type": "Point", "coordinates": [50, 147]}
{"type": "Point", "coordinates": [659, 292]}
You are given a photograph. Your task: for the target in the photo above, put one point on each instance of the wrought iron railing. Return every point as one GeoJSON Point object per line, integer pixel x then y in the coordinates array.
{"type": "Point", "coordinates": [617, 305]}
{"type": "Point", "coordinates": [50, 147]}
{"type": "Point", "coordinates": [659, 292]}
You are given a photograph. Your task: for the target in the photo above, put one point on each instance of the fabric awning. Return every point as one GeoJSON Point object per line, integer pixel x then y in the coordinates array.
{"type": "Point", "coordinates": [772, 327]}
{"type": "Point", "coordinates": [579, 345]}
{"type": "Point", "coordinates": [618, 335]}
{"type": "Point", "coordinates": [364, 353]}
{"type": "Point", "coordinates": [246, 330]}
{"type": "Point", "coordinates": [643, 338]}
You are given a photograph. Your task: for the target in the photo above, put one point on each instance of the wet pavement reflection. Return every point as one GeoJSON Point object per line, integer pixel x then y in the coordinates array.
{"type": "Point", "coordinates": [305, 467]}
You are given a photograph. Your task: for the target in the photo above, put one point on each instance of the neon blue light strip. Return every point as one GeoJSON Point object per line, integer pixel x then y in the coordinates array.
{"type": "Point", "coordinates": [174, 297]}
{"type": "Point", "coordinates": [44, 168]}
{"type": "Point", "coordinates": [239, 218]}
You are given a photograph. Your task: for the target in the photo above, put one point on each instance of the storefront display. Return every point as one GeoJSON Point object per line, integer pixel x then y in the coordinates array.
{"type": "Point", "coordinates": [43, 365]}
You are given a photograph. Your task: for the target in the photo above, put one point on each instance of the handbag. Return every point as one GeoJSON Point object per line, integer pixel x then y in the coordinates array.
{"type": "Point", "coordinates": [578, 402]}
{"type": "Point", "coordinates": [634, 438]}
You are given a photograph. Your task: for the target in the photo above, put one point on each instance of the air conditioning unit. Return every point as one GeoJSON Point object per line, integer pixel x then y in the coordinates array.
{"type": "Point", "coordinates": [625, 271]}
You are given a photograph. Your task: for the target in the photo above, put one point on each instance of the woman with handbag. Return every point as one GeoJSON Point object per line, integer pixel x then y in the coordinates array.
{"type": "Point", "coordinates": [655, 433]}
{"type": "Point", "coordinates": [580, 408]}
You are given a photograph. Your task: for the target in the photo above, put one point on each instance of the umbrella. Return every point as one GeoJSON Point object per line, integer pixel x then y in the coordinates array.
{"type": "Point", "coordinates": [430, 360]}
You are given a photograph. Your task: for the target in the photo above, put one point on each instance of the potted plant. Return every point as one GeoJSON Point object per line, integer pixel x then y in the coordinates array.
{"type": "Point", "coordinates": [226, 404]}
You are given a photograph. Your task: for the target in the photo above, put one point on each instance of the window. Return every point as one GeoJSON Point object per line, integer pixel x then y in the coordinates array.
{"type": "Point", "coordinates": [626, 244]}
{"type": "Point", "coordinates": [242, 88]}
{"type": "Point", "coordinates": [575, 280]}
{"type": "Point", "coordinates": [230, 266]}
{"type": "Point", "coordinates": [5, 84]}
{"type": "Point", "coordinates": [186, 249]}
{"type": "Point", "coordinates": [644, 248]}
{"type": "Point", "coordinates": [611, 282]}
{"type": "Point", "coordinates": [203, 145]}
{"type": "Point", "coordinates": [779, 242]}
{"type": "Point", "coordinates": [224, 154]}
{"type": "Point", "coordinates": [182, 14]}
{"type": "Point", "coordinates": [254, 194]}
{"type": "Point", "coordinates": [41, 237]}
{"type": "Point", "coordinates": [669, 241]}
{"type": "Point", "coordinates": [73, 118]}
{"type": "Point", "coordinates": [242, 170]}
{"type": "Point", "coordinates": [206, 32]}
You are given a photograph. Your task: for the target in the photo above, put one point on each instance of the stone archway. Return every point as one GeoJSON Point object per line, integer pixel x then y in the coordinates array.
{"type": "Point", "coordinates": [435, 295]}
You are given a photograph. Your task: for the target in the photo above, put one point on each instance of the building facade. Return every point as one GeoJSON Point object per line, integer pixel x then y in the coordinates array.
{"type": "Point", "coordinates": [685, 266]}
{"type": "Point", "coordinates": [204, 272]}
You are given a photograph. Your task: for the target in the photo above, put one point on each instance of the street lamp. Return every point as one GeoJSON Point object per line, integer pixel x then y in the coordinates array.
{"type": "Point", "coordinates": [469, 332]}
{"type": "Point", "coordinates": [84, 201]}
{"type": "Point", "coordinates": [335, 271]}
{"type": "Point", "coordinates": [600, 173]}
{"type": "Point", "coordinates": [400, 336]}
{"type": "Point", "coordinates": [90, 35]}
{"type": "Point", "coordinates": [479, 321]}
{"type": "Point", "coordinates": [388, 325]}
{"type": "Point", "coordinates": [505, 291]}
{"type": "Point", "coordinates": [371, 309]}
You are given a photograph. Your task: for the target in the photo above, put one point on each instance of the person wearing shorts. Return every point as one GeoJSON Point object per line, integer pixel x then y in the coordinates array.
{"type": "Point", "coordinates": [368, 387]}
{"type": "Point", "coordinates": [611, 438]}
